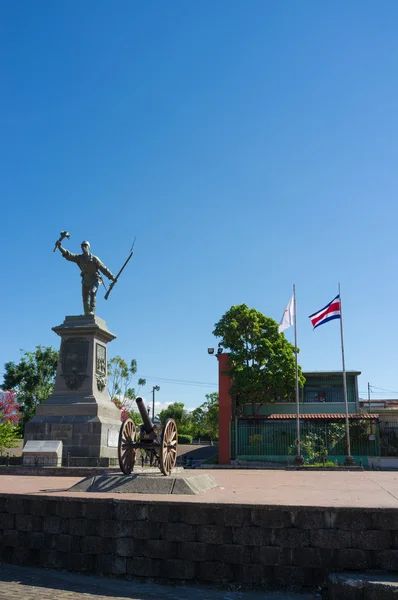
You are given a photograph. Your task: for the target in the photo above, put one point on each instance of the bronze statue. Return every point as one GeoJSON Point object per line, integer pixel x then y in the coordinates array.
{"type": "Point", "coordinates": [90, 266]}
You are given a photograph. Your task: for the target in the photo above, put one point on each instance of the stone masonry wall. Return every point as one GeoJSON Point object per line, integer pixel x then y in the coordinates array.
{"type": "Point", "coordinates": [291, 546]}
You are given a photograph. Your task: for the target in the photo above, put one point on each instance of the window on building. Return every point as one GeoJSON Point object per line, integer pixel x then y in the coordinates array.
{"type": "Point", "coordinates": [324, 394]}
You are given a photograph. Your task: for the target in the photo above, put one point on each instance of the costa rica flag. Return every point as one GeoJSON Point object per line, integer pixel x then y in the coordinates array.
{"type": "Point", "coordinates": [327, 313]}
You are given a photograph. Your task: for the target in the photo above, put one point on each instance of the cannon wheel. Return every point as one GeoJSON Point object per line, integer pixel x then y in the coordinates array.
{"type": "Point", "coordinates": [168, 447]}
{"type": "Point", "coordinates": [127, 437]}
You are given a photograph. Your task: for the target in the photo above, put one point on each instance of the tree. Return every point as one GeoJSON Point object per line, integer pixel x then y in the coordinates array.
{"type": "Point", "coordinates": [9, 407]}
{"type": "Point", "coordinates": [136, 416]}
{"type": "Point", "coordinates": [32, 378]}
{"type": "Point", "coordinates": [177, 412]}
{"type": "Point", "coordinates": [205, 418]}
{"type": "Point", "coordinates": [120, 376]}
{"type": "Point", "coordinates": [9, 433]}
{"type": "Point", "coordinates": [9, 417]}
{"type": "Point", "coordinates": [262, 361]}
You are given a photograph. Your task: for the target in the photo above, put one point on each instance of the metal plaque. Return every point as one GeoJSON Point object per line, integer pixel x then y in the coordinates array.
{"type": "Point", "coordinates": [43, 446]}
{"type": "Point", "coordinates": [100, 359]}
{"type": "Point", "coordinates": [113, 438]}
{"type": "Point", "coordinates": [61, 432]}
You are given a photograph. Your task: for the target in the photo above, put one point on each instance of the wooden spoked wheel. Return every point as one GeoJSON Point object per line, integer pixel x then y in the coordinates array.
{"type": "Point", "coordinates": [168, 447]}
{"type": "Point", "coordinates": [126, 451]}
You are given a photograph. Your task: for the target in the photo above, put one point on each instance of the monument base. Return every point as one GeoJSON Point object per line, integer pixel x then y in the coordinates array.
{"type": "Point", "coordinates": [80, 412]}
{"type": "Point", "coordinates": [151, 483]}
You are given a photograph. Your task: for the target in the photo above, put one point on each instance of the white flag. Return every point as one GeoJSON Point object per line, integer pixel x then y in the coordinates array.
{"type": "Point", "coordinates": [287, 317]}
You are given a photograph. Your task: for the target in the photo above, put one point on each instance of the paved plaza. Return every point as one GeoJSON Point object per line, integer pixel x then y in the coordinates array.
{"type": "Point", "coordinates": [354, 489]}
{"type": "Point", "coordinates": [367, 489]}
{"type": "Point", "coordinates": [17, 583]}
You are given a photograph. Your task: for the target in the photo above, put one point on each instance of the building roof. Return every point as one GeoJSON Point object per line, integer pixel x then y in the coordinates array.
{"type": "Point", "coordinates": [320, 416]}
{"type": "Point", "coordinates": [390, 401]}
{"type": "Point", "coordinates": [328, 373]}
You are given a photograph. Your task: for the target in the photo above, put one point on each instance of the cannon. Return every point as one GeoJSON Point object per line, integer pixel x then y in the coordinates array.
{"type": "Point", "coordinates": [159, 443]}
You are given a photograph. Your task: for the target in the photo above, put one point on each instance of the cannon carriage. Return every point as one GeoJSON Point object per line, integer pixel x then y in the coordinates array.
{"type": "Point", "coordinates": [159, 443]}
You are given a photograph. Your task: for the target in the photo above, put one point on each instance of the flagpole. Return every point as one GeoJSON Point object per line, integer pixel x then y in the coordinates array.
{"type": "Point", "coordinates": [298, 459]}
{"type": "Point", "coordinates": [348, 459]}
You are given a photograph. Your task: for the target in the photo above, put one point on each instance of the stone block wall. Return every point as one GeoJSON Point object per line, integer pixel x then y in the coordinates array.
{"type": "Point", "coordinates": [283, 546]}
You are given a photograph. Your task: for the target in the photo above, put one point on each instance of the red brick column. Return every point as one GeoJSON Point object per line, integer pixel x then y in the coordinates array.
{"type": "Point", "coordinates": [224, 414]}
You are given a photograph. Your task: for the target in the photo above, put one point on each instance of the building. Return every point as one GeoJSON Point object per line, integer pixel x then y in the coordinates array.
{"type": "Point", "coordinates": [387, 409]}
{"type": "Point", "coordinates": [268, 431]}
{"type": "Point", "coordinates": [323, 392]}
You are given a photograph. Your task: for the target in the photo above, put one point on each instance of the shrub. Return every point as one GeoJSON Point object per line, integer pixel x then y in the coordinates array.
{"type": "Point", "coordinates": [184, 438]}
{"type": "Point", "coordinates": [212, 461]}
{"type": "Point", "coordinates": [8, 436]}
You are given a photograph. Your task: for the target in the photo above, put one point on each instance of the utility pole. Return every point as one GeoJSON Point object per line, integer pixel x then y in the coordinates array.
{"type": "Point", "coordinates": [369, 397]}
{"type": "Point", "coordinates": [348, 459]}
{"type": "Point", "coordinates": [298, 459]}
{"type": "Point", "coordinates": [155, 388]}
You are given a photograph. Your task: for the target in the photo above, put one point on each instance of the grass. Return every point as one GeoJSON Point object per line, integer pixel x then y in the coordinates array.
{"type": "Point", "coordinates": [321, 464]}
{"type": "Point", "coordinates": [212, 461]}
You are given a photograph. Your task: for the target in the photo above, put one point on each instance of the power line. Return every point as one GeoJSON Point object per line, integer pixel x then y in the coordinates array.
{"type": "Point", "coordinates": [384, 389]}
{"type": "Point", "coordinates": [379, 391]}
{"type": "Point", "coordinates": [365, 393]}
{"type": "Point", "coordinates": [177, 381]}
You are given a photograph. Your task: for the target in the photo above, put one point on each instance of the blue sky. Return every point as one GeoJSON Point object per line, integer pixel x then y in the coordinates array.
{"type": "Point", "coordinates": [248, 146]}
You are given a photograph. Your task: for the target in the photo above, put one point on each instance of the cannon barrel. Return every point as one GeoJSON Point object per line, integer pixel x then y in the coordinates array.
{"type": "Point", "coordinates": [148, 425]}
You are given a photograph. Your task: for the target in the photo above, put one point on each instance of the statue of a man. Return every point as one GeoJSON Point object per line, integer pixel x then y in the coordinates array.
{"type": "Point", "coordinates": [90, 266]}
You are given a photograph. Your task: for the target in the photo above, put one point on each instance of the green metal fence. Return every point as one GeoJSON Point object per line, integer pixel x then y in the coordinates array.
{"type": "Point", "coordinates": [257, 439]}
{"type": "Point", "coordinates": [389, 438]}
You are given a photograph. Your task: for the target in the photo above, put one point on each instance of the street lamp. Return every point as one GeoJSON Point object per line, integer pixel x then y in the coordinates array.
{"type": "Point", "coordinates": [155, 388]}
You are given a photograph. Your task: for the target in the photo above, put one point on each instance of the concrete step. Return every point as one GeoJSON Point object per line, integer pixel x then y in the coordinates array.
{"type": "Point", "coordinates": [148, 483]}
{"type": "Point", "coordinates": [361, 586]}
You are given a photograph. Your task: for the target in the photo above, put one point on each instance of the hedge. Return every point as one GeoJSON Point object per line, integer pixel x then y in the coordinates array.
{"type": "Point", "coordinates": [184, 438]}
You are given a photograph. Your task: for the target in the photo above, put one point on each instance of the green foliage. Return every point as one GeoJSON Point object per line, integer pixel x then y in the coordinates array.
{"type": "Point", "coordinates": [317, 444]}
{"type": "Point", "coordinates": [336, 432]}
{"type": "Point", "coordinates": [9, 434]}
{"type": "Point", "coordinates": [120, 376]}
{"type": "Point", "coordinates": [204, 419]}
{"type": "Point", "coordinates": [184, 438]}
{"type": "Point", "coordinates": [177, 412]}
{"type": "Point", "coordinates": [322, 464]}
{"type": "Point", "coordinates": [212, 461]}
{"type": "Point", "coordinates": [135, 415]}
{"type": "Point", "coordinates": [262, 361]}
{"type": "Point", "coordinates": [185, 429]}
{"type": "Point", "coordinates": [200, 423]}
{"type": "Point", "coordinates": [32, 378]}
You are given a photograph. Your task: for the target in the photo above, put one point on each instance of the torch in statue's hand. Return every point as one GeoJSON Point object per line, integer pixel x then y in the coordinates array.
{"type": "Point", "coordinates": [63, 234]}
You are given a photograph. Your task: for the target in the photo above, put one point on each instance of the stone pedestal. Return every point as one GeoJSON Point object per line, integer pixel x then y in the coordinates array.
{"type": "Point", "coordinates": [80, 411]}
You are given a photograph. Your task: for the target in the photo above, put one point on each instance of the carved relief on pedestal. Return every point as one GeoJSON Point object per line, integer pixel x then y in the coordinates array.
{"type": "Point", "coordinates": [100, 366]}
{"type": "Point", "coordinates": [74, 357]}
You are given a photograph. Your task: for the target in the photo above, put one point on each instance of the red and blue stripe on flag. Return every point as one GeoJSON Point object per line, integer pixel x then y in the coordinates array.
{"type": "Point", "coordinates": [327, 313]}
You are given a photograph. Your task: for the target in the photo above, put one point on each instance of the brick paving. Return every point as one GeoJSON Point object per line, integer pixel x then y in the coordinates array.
{"type": "Point", "coordinates": [21, 583]}
{"type": "Point", "coordinates": [364, 489]}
